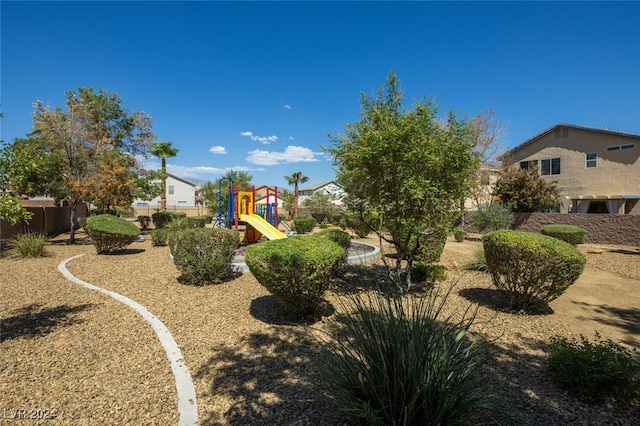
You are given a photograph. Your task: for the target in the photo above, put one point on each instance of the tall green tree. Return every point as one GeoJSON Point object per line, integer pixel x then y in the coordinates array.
{"type": "Point", "coordinates": [163, 150]}
{"type": "Point", "coordinates": [295, 179]}
{"type": "Point", "coordinates": [406, 171]}
{"type": "Point", "coordinates": [71, 142]}
{"type": "Point", "coordinates": [523, 190]}
{"type": "Point", "coordinates": [321, 206]}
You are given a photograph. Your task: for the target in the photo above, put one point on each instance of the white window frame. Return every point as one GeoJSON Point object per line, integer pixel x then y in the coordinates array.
{"type": "Point", "coordinates": [590, 163]}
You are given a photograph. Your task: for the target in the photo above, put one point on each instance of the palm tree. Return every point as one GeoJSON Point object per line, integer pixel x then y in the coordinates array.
{"type": "Point", "coordinates": [295, 179]}
{"type": "Point", "coordinates": [163, 150]}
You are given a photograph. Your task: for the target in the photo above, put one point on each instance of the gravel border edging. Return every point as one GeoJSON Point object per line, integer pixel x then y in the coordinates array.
{"type": "Point", "coordinates": [187, 402]}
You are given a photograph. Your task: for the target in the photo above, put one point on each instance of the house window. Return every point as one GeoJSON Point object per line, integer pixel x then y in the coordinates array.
{"type": "Point", "coordinates": [550, 166]}
{"type": "Point", "coordinates": [619, 147]}
{"type": "Point", "coordinates": [527, 164]}
{"type": "Point", "coordinates": [171, 190]}
{"type": "Point", "coordinates": [592, 160]}
{"type": "Point", "coordinates": [182, 203]}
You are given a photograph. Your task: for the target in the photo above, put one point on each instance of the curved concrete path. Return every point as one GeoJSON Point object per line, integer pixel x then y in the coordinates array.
{"type": "Point", "coordinates": [187, 403]}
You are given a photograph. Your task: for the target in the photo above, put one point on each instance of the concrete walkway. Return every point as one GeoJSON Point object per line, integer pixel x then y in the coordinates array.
{"type": "Point", "coordinates": [187, 403]}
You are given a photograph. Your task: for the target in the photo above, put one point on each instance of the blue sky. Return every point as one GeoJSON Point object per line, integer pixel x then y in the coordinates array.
{"type": "Point", "coordinates": [257, 86]}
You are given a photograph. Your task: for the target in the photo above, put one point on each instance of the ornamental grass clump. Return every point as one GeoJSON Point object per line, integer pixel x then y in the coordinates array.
{"type": "Point", "coordinates": [401, 361]}
{"type": "Point", "coordinates": [597, 372]}
{"type": "Point", "coordinates": [109, 233]}
{"type": "Point", "coordinates": [532, 269]}
{"type": "Point", "coordinates": [29, 244]}
{"type": "Point", "coordinates": [296, 270]}
{"type": "Point", "coordinates": [571, 234]}
{"type": "Point", "coordinates": [203, 255]}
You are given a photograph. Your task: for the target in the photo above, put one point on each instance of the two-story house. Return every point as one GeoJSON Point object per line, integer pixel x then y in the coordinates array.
{"type": "Point", "coordinates": [328, 187]}
{"type": "Point", "coordinates": [180, 193]}
{"type": "Point", "coordinates": [597, 170]}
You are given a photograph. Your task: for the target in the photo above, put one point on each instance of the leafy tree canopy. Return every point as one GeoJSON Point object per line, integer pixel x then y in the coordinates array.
{"type": "Point", "coordinates": [406, 167]}
{"type": "Point", "coordinates": [523, 190]}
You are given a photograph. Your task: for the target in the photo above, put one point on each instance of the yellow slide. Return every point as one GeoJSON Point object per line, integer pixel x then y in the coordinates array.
{"type": "Point", "coordinates": [261, 225]}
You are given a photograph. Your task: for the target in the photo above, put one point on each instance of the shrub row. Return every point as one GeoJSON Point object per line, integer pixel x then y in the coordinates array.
{"type": "Point", "coordinates": [569, 233]}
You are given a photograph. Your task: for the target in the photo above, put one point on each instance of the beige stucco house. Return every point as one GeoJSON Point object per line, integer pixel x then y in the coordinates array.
{"type": "Point", "coordinates": [597, 170]}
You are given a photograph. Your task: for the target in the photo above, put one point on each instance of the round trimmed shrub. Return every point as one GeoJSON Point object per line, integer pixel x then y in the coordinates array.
{"type": "Point", "coordinates": [340, 237]}
{"type": "Point", "coordinates": [159, 237]}
{"type": "Point", "coordinates": [570, 233]}
{"type": "Point", "coordinates": [357, 225]}
{"type": "Point", "coordinates": [203, 255]}
{"type": "Point", "coordinates": [160, 219]}
{"type": "Point", "coordinates": [296, 270]}
{"type": "Point", "coordinates": [197, 221]}
{"type": "Point", "coordinates": [459, 234]}
{"type": "Point", "coordinates": [432, 246]}
{"type": "Point", "coordinates": [109, 233]}
{"type": "Point", "coordinates": [533, 269]}
{"type": "Point", "coordinates": [304, 225]}
{"type": "Point", "coordinates": [145, 221]}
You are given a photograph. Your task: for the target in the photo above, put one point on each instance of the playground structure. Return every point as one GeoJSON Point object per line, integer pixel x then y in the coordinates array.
{"type": "Point", "coordinates": [259, 219]}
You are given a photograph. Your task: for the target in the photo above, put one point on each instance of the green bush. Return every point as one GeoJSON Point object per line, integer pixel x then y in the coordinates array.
{"type": "Point", "coordinates": [491, 217]}
{"type": "Point", "coordinates": [357, 225]}
{"type": "Point", "coordinates": [459, 234]}
{"type": "Point", "coordinates": [159, 237]}
{"type": "Point", "coordinates": [343, 239]}
{"type": "Point", "coordinates": [203, 255]}
{"type": "Point", "coordinates": [296, 270]}
{"type": "Point", "coordinates": [323, 226]}
{"type": "Point", "coordinates": [177, 224]}
{"type": "Point", "coordinates": [197, 221]}
{"type": "Point", "coordinates": [533, 269]}
{"type": "Point", "coordinates": [304, 225]}
{"type": "Point", "coordinates": [145, 221]}
{"type": "Point", "coordinates": [161, 219]}
{"type": "Point", "coordinates": [30, 244]}
{"type": "Point", "coordinates": [422, 273]}
{"type": "Point", "coordinates": [432, 246]}
{"type": "Point", "coordinates": [478, 262]}
{"type": "Point", "coordinates": [396, 362]}
{"type": "Point", "coordinates": [599, 372]}
{"type": "Point", "coordinates": [569, 233]}
{"type": "Point", "coordinates": [109, 233]}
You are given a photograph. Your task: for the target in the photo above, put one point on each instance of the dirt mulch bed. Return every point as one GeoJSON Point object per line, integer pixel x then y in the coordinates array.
{"type": "Point", "coordinates": [93, 361]}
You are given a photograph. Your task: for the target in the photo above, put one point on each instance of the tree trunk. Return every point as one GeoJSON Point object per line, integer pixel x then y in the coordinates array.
{"type": "Point", "coordinates": [295, 201]}
{"type": "Point", "coordinates": [72, 220]}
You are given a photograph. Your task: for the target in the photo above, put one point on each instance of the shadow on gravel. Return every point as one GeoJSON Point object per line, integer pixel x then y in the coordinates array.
{"type": "Point", "coordinates": [31, 321]}
{"type": "Point", "coordinates": [266, 380]}
{"type": "Point", "coordinates": [627, 320]}
{"type": "Point", "coordinates": [269, 310]}
{"type": "Point", "coordinates": [625, 251]}
{"type": "Point", "coordinates": [228, 277]}
{"type": "Point", "coordinates": [496, 300]}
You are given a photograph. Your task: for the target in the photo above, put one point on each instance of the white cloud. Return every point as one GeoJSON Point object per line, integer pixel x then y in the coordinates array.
{"type": "Point", "coordinates": [218, 150]}
{"type": "Point", "coordinates": [287, 107]}
{"type": "Point", "coordinates": [263, 139]}
{"type": "Point", "coordinates": [292, 154]}
{"type": "Point", "coordinates": [291, 138]}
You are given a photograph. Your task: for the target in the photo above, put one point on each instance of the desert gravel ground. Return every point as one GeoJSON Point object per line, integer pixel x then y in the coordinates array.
{"type": "Point", "coordinates": [90, 360]}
